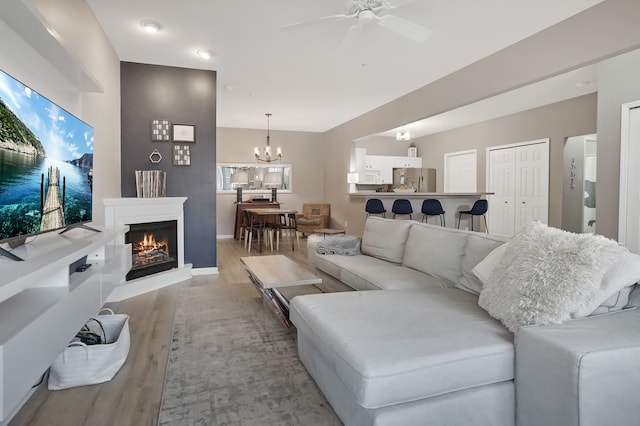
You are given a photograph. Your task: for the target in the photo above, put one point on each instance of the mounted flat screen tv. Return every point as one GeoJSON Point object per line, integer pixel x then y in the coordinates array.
{"type": "Point", "coordinates": [46, 165]}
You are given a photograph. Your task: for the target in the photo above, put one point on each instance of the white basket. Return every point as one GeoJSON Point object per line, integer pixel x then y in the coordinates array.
{"type": "Point", "coordinates": [81, 364]}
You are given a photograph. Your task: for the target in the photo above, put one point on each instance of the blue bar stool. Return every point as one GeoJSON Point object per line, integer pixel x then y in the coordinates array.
{"type": "Point", "coordinates": [375, 206]}
{"type": "Point", "coordinates": [402, 206]}
{"type": "Point", "coordinates": [479, 208]}
{"type": "Point", "coordinates": [432, 207]}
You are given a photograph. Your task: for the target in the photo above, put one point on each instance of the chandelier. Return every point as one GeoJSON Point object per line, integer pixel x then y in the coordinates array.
{"type": "Point", "coordinates": [266, 157]}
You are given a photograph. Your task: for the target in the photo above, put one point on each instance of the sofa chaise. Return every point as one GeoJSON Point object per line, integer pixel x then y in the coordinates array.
{"type": "Point", "coordinates": [419, 347]}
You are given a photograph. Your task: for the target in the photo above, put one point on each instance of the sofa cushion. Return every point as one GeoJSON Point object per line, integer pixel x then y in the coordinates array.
{"type": "Point", "coordinates": [478, 247]}
{"type": "Point", "coordinates": [372, 274]}
{"type": "Point", "coordinates": [385, 238]}
{"type": "Point", "coordinates": [418, 343]}
{"type": "Point", "coordinates": [435, 250]}
{"type": "Point", "coordinates": [368, 273]}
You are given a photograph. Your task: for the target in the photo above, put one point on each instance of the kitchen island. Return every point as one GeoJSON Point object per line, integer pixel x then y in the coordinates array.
{"type": "Point", "coordinates": [452, 203]}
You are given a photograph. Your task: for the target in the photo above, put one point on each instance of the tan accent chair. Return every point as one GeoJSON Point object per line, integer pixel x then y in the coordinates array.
{"type": "Point", "coordinates": [313, 216]}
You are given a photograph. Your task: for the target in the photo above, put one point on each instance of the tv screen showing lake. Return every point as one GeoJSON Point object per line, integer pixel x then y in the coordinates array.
{"type": "Point", "coordinates": [46, 163]}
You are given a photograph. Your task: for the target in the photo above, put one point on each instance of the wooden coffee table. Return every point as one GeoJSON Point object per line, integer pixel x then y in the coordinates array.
{"type": "Point", "coordinates": [270, 273]}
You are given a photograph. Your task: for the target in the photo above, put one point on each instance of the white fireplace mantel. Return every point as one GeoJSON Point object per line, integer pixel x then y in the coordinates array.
{"type": "Point", "coordinates": [128, 211]}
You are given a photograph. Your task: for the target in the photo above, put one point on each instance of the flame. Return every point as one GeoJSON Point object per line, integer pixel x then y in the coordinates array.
{"type": "Point", "coordinates": [149, 244]}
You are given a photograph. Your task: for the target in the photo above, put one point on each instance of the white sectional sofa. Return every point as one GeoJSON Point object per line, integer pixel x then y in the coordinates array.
{"type": "Point", "coordinates": [417, 348]}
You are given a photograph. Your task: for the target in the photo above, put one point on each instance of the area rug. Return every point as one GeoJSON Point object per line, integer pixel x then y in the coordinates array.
{"type": "Point", "coordinates": [229, 364]}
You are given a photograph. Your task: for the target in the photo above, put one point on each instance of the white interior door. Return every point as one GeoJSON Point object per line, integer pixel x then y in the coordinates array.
{"type": "Point", "coordinates": [532, 184]}
{"type": "Point", "coordinates": [460, 171]}
{"type": "Point", "coordinates": [518, 175]}
{"type": "Point", "coordinates": [629, 220]}
{"type": "Point", "coordinates": [502, 183]}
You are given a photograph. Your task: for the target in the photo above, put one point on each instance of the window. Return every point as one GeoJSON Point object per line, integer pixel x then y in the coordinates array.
{"type": "Point", "coordinates": [253, 178]}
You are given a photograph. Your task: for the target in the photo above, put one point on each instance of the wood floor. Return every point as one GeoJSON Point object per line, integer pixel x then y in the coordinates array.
{"type": "Point", "coordinates": [133, 397]}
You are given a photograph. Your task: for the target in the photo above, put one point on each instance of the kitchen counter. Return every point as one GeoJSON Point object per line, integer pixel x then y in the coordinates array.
{"type": "Point", "coordinates": [451, 202]}
{"type": "Point", "coordinates": [391, 194]}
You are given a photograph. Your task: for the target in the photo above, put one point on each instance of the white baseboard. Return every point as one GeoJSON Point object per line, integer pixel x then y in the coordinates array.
{"type": "Point", "coordinates": [149, 283]}
{"type": "Point", "coordinates": [225, 237]}
{"type": "Point", "coordinates": [204, 271]}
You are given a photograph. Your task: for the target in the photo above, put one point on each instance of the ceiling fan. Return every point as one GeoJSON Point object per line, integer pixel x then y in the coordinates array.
{"type": "Point", "coordinates": [366, 12]}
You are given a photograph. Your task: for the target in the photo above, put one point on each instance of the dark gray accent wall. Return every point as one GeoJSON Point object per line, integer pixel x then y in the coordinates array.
{"type": "Point", "coordinates": [182, 96]}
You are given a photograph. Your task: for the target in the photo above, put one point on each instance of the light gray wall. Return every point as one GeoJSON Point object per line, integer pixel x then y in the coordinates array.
{"type": "Point", "coordinates": [383, 145]}
{"type": "Point", "coordinates": [84, 39]}
{"type": "Point", "coordinates": [556, 121]}
{"type": "Point", "coordinates": [305, 151]}
{"type": "Point", "coordinates": [608, 29]}
{"type": "Point", "coordinates": [619, 83]}
{"type": "Point", "coordinates": [573, 198]}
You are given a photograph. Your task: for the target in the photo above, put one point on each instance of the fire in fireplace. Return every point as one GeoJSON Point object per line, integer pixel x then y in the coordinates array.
{"type": "Point", "coordinates": [154, 247]}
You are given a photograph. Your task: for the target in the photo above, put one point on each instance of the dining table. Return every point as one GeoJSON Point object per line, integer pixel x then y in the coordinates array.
{"type": "Point", "coordinates": [265, 216]}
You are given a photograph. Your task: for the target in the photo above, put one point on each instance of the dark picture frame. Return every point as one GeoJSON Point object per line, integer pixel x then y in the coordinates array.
{"type": "Point", "coordinates": [184, 133]}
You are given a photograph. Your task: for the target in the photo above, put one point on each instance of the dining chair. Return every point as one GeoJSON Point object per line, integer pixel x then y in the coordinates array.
{"type": "Point", "coordinates": [288, 223]}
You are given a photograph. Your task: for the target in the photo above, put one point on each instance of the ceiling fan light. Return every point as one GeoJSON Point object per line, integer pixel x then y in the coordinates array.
{"type": "Point", "coordinates": [366, 16]}
{"type": "Point", "coordinates": [403, 135]}
{"type": "Point", "coordinates": [151, 26]}
{"type": "Point", "coordinates": [205, 53]}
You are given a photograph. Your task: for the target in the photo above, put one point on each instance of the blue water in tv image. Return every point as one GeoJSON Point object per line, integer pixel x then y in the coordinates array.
{"type": "Point", "coordinates": [46, 163]}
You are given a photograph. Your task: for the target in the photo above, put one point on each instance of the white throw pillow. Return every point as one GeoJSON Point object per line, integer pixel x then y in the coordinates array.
{"type": "Point", "coordinates": [634, 297]}
{"type": "Point", "coordinates": [626, 272]}
{"type": "Point", "coordinates": [486, 266]}
{"type": "Point", "coordinates": [549, 275]}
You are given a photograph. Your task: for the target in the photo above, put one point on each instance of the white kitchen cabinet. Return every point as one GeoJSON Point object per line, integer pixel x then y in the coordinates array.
{"type": "Point", "coordinates": [406, 162]}
{"type": "Point", "coordinates": [384, 164]}
{"type": "Point", "coordinates": [379, 164]}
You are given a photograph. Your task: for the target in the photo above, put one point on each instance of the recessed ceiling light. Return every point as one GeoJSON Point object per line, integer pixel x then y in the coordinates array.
{"type": "Point", "coordinates": [205, 53]}
{"type": "Point", "coordinates": [151, 26]}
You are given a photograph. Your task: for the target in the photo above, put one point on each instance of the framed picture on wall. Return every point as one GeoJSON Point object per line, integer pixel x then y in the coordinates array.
{"type": "Point", "coordinates": [181, 155]}
{"type": "Point", "coordinates": [160, 130]}
{"type": "Point", "coordinates": [184, 133]}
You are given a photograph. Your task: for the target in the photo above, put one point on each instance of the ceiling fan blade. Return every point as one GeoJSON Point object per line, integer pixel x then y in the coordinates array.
{"type": "Point", "coordinates": [405, 28]}
{"type": "Point", "coordinates": [392, 4]}
{"type": "Point", "coordinates": [311, 22]}
{"type": "Point", "coordinates": [350, 39]}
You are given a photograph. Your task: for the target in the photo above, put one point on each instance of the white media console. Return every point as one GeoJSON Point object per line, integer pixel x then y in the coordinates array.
{"type": "Point", "coordinates": [44, 301]}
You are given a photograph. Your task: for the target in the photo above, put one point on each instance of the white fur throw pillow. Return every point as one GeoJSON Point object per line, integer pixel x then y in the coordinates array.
{"type": "Point", "coordinates": [548, 275]}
